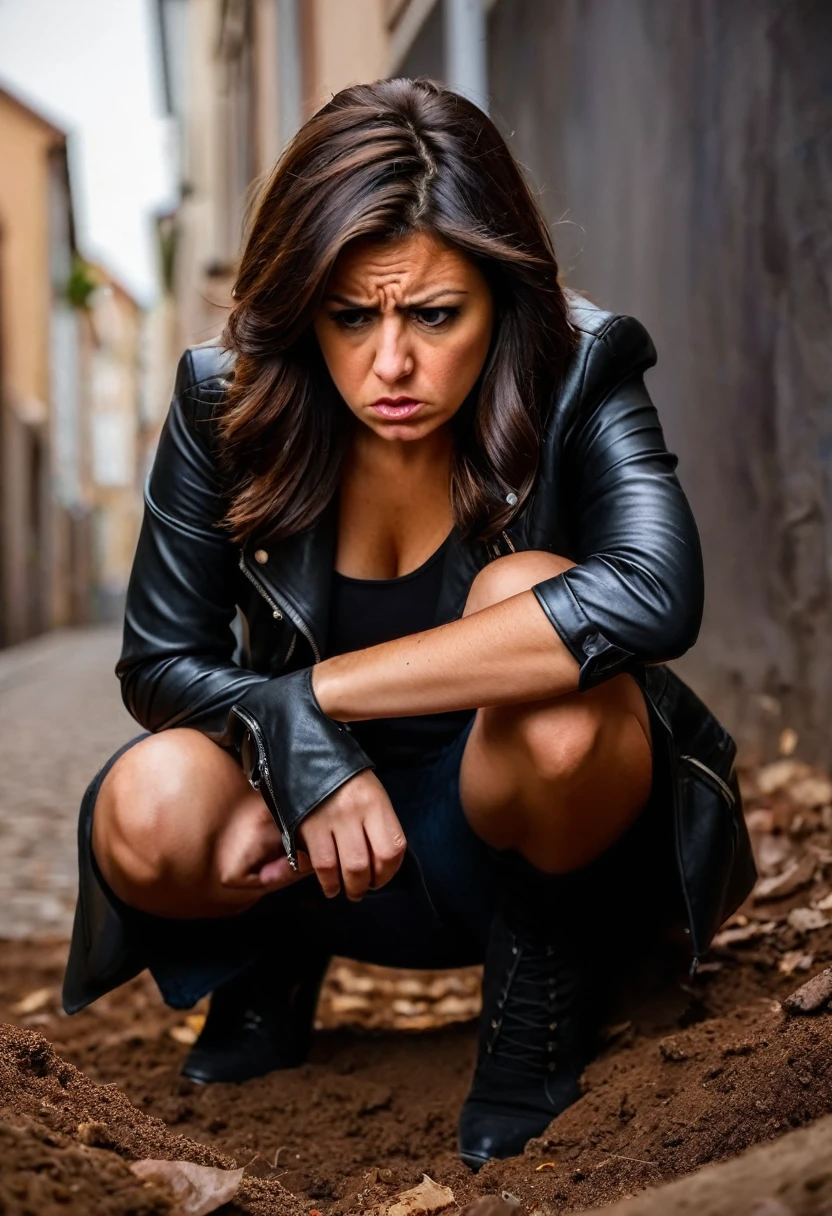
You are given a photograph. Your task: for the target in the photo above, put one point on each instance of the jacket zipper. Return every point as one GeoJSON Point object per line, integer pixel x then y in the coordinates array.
{"type": "Point", "coordinates": [263, 771]}
{"type": "Point", "coordinates": [278, 615]}
{"type": "Point", "coordinates": [723, 785]}
{"type": "Point", "coordinates": [508, 541]}
{"type": "Point", "coordinates": [278, 612]}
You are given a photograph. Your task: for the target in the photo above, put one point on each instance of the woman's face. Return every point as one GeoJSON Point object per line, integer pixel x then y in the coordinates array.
{"type": "Point", "coordinates": [405, 328]}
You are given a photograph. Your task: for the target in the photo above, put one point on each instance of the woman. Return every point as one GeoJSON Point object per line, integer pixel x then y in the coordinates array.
{"type": "Point", "coordinates": [434, 491]}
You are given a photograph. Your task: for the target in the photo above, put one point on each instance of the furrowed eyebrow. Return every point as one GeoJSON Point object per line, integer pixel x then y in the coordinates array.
{"type": "Point", "coordinates": [425, 300]}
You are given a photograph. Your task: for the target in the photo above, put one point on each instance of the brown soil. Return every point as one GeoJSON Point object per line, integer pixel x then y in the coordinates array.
{"type": "Point", "coordinates": [693, 1071]}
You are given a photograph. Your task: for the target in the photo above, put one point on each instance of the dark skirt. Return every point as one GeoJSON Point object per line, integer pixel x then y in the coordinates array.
{"type": "Point", "coordinates": [436, 911]}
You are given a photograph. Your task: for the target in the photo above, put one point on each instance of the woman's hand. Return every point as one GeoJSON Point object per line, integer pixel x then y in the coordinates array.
{"type": "Point", "coordinates": [249, 851]}
{"type": "Point", "coordinates": [354, 838]}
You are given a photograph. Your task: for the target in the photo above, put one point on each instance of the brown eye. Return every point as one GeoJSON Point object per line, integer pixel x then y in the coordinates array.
{"type": "Point", "coordinates": [435, 318]}
{"type": "Point", "coordinates": [350, 318]}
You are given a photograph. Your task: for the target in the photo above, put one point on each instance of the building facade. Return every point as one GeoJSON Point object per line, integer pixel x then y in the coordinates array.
{"type": "Point", "coordinates": [44, 535]}
{"type": "Point", "coordinates": [77, 424]}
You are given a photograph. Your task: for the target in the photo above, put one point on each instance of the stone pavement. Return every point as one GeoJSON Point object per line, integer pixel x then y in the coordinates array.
{"type": "Point", "coordinates": [61, 717]}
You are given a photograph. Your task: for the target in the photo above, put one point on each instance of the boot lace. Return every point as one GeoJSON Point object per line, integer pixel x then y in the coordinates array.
{"type": "Point", "coordinates": [535, 992]}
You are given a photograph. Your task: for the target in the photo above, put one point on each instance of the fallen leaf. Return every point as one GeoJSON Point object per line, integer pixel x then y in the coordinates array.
{"type": "Point", "coordinates": [778, 886]}
{"type": "Point", "coordinates": [811, 791]}
{"type": "Point", "coordinates": [806, 919]}
{"type": "Point", "coordinates": [825, 904]}
{"type": "Point", "coordinates": [772, 778]}
{"type": "Point", "coordinates": [184, 1035]}
{"type": "Point", "coordinates": [427, 1197]}
{"type": "Point", "coordinates": [771, 853]}
{"type": "Point", "coordinates": [197, 1189]}
{"type": "Point", "coordinates": [788, 742]}
{"type": "Point", "coordinates": [33, 1001]}
{"type": "Point", "coordinates": [760, 820]}
{"type": "Point", "coordinates": [795, 960]}
{"type": "Point", "coordinates": [812, 995]}
{"type": "Point", "coordinates": [745, 933]}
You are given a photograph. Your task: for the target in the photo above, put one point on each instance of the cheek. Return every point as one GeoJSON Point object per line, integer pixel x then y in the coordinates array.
{"type": "Point", "coordinates": [341, 357]}
{"type": "Point", "coordinates": [455, 366]}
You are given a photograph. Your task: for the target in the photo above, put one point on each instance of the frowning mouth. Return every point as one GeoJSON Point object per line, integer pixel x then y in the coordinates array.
{"type": "Point", "coordinates": [396, 407]}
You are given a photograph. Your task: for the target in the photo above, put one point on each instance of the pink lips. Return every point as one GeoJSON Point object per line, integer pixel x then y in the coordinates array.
{"type": "Point", "coordinates": [396, 407]}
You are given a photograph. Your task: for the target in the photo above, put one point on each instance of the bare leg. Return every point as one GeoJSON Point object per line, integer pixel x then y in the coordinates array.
{"type": "Point", "coordinates": [179, 832]}
{"type": "Point", "coordinates": [557, 780]}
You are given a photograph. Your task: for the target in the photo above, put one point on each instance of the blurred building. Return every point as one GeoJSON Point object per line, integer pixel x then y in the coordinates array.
{"type": "Point", "coordinates": [44, 537]}
{"type": "Point", "coordinates": [76, 424]}
{"type": "Point", "coordinates": [121, 430]}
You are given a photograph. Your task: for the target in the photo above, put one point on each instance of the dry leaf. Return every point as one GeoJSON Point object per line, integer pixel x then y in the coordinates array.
{"type": "Point", "coordinates": [33, 1001]}
{"type": "Point", "coordinates": [788, 742]}
{"type": "Point", "coordinates": [811, 791]}
{"type": "Point", "coordinates": [825, 904]}
{"type": "Point", "coordinates": [806, 919]}
{"type": "Point", "coordinates": [184, 1035]}
{"type": "Point", "coordinates": [771, 853]}
{"type": "Point", "coordinates": [798, 875]}
{"type": "Point", "coordinates": [197, 1189]}
{"type": "Point", "coordinates": [421, 1200]}
{"type": "Point", "coordinates": [760, 820]}
{"type": "Point", "coordinates": [774, 777]}
{"type": "Point", "coordinates": [812, 995]}
{"type": "Point", "coordinates": [795, 960]}
{"type": "Point", "coordinates": [745, 933]}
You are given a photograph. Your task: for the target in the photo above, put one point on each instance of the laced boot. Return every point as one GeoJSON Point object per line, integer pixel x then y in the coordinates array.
{"type": "Point", "coordinates": [258, 1022]}
{"type": "Point", "coordinates": [539, 1016]}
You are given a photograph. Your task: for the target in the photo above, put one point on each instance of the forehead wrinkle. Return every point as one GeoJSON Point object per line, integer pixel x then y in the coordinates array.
{"type": "Point", "coordinates": [419, 283]}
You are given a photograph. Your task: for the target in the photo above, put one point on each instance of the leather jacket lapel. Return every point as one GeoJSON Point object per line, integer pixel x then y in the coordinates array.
{"type": "Point", "coordinates": [297, 574]}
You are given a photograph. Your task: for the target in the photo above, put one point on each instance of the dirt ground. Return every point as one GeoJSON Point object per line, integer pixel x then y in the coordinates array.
{"type": "Point", "coordinates": [693, 1071]}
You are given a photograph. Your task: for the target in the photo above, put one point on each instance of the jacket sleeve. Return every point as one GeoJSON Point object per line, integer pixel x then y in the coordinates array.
{"type": "Point", "coordinates": [176, 664]}
{"type": "Point", "coordinates": [636, 595]}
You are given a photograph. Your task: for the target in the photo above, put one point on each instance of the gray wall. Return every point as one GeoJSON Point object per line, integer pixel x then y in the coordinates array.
{"type": "Point", "coordinates": [686, 147]}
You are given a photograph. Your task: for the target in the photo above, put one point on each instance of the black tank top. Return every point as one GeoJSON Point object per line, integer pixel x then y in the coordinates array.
{"type": "Point", "coordinates": [365, 612]}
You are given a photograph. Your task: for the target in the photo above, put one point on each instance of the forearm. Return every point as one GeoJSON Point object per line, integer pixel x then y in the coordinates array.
{"type": "Point", "coordinates": [504, 654]}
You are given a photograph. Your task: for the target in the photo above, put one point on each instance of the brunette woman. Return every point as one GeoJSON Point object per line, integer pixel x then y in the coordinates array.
{"type": "Point", "coordinates": [414, 554]}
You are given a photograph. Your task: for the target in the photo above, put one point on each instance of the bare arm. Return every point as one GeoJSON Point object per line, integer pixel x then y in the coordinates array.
{"type": "Point", "coordinates": [506, 653]}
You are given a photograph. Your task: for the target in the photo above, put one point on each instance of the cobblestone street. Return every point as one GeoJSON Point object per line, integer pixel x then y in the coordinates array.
{"type": "Point", "coordinates": [61, 717]}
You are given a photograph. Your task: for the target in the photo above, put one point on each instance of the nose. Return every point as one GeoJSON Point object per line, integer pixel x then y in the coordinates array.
{"type": "Point", "coordinates": [393, 359]}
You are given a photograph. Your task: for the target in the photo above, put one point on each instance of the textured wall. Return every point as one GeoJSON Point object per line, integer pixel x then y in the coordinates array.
{"type": "Point", "coordinates": [687, 147]}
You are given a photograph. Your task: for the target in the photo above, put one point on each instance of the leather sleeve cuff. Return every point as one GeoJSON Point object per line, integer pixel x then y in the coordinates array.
{"type": "Point", "coordinates": [291, 751]}
{"type": "Point", "coordinates": [598, 657]}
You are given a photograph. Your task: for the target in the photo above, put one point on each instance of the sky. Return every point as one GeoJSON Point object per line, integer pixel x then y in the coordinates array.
{"type": "Point", "coordinates": [91, 67]}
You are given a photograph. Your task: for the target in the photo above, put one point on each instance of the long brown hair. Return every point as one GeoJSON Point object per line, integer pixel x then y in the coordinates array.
{"type": "Point", "coordinates": [385, 160]}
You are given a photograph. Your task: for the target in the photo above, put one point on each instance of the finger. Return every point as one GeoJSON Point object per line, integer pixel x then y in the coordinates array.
{"type": "Point", "coordinates": [354, 860]}
{"type": "Point", "coordinates": [323, 855]}
{"type": "Point", "coordinates": [278, 873]}
{"type": "Point", "coordinates": [387, 844]}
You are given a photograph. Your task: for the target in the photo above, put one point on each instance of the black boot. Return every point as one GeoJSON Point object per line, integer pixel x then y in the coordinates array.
{"type": "Point", "coordinates": [258, 1022]}
{"type": "Point", "coordinates": [539, 1016]}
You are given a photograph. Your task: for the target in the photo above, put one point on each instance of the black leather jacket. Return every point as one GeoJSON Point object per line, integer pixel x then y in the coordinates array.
{"type": "Point", "coordinates": [606, 496]}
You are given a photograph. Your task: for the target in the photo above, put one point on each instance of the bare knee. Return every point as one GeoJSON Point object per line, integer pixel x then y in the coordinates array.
{"type": "Point", "coordinates": [143, 826]}
{"type": "Point", "coordinates": [561, 742]}
{"type": "Point", "coordinates": [510, 575]}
